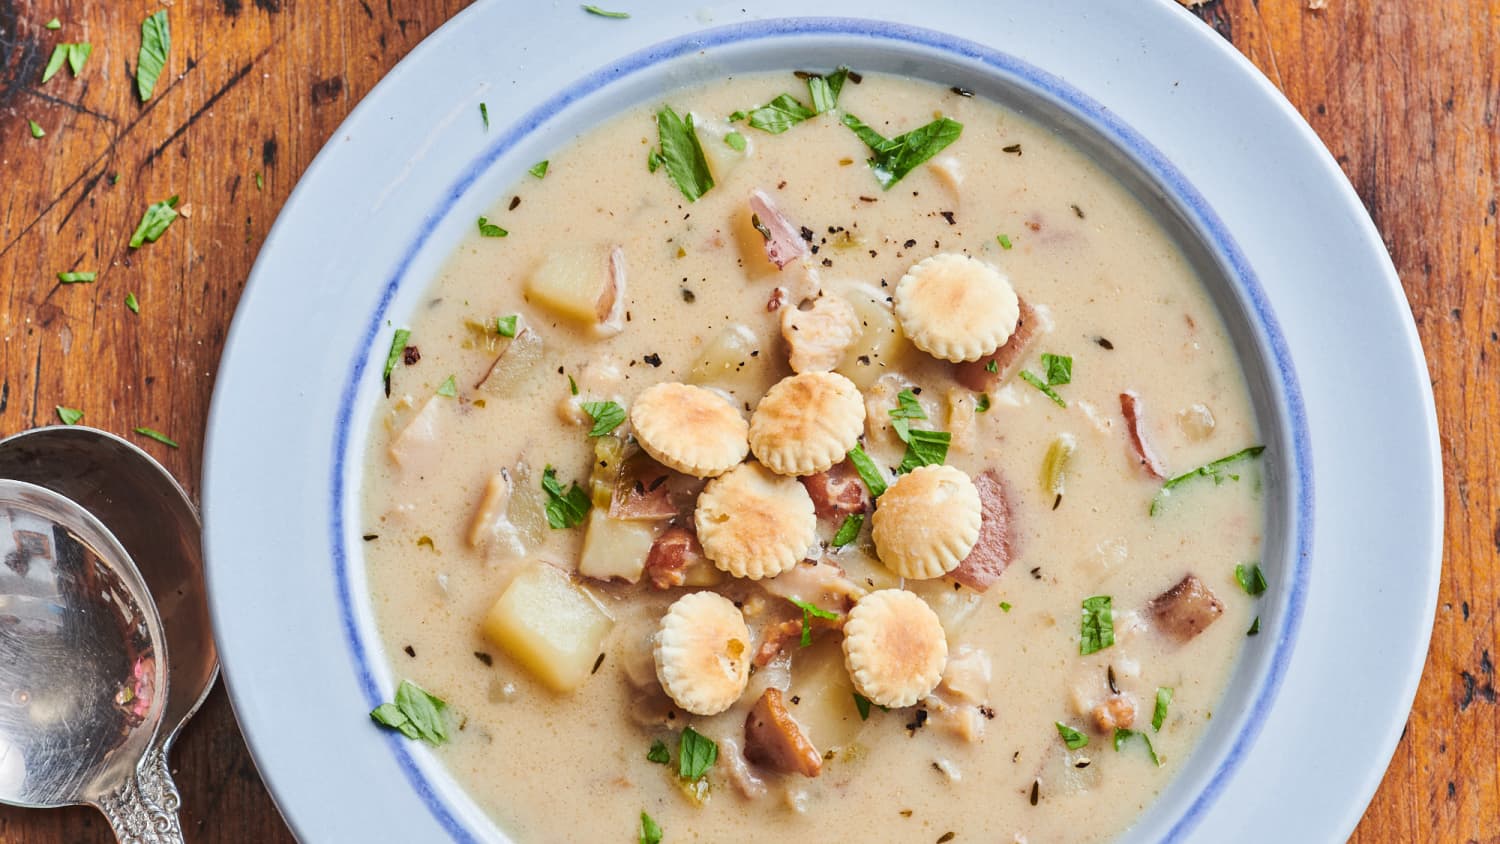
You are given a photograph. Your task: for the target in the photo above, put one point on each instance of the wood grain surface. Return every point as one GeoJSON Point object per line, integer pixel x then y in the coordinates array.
{"type": "Point", "coordinates": [1406, 95]}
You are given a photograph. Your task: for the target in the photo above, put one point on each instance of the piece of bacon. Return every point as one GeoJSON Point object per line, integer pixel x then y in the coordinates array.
{"type": "Point", "coordinates": [838, 492]}
{"type": "Point", "coordinates": [976, 374]}
{"type": "Point", "coordinates": [774, 740]}
{"type": "Point", "coordinates": [785, 636]}
{"type": "Point", "coordinates": [670, 555]}
{"type": "Point", "coordinates": [1186, 609]}
{"type": "Point", "coordinates": [647, 491]}
{"type": "Point", "coordinates": [1130, 407]}
{"type": "Point", "coordinates": [993, 551]}
{"type": "Point", "coordinates": [784, 243]}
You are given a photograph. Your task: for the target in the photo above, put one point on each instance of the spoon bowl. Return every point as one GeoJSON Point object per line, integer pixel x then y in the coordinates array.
{"type": "Point", "coordinates": [83, 679]}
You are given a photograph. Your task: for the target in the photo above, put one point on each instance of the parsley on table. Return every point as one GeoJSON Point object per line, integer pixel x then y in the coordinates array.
{"type": "Point", "coordinates": [74, 55]}
{"type": "Point", "coordinates": [156, 435]}
{"type": "Point", "coordinates": [1163, 699]}
{"type": "Point", "coordinates": [488, 229]}
{"type": "Point", "coordinates": [603, 13]}
{"type": "Point", "coordinates": [868, 471]}
{"type": "Point", "coordinates": [1071, 737]}
{"type": "Point", "coordinates": [539, 169]}
{"type": "Point", "coordinates": [565, 509]}
{"type": "Point", "coordinates": [659, 753]}
{"type": "Point", "coordinates": [1122, 736]}
{"type": "Point", "coordinates": [808, 612]}
{"type": "Point", "coordinates": [36, 129]}
{"type": "Point", "coordinates": [696, 753]}
{"type": "Point", "coordinates": [398, 345]}
{"type": "Point", "coordinates": [849, 530]}
{"type": "Point", "coordinates": [260, 182]}
{"type": "Point", "coordinates": [1097, 630]}
{"type": "Point", "coordinates": [132, 303]}
{"type": "Point", "coordinates": [1218, 471]}
{"type": "Point", "coordinates": [77, 277]}
{"type": "Point", "coordinates": [69, 415]}
{"type": "Point", "coordinates": [416, 713]}
{"type": "Point", "coordinates": [607, 416]}
{"type": "Point", "coordinates": [1250, 579]}
{"type": "Point", "coordinates": [156, 41]}
{"type": "Point", "coordinates": [54, 24]}
{"type": "Point", "coordinates": [895, 157]}
{"type": "Point", "coordinates": [650, 832]}
{"type": "Point", "coordinates": [681, 154]}
{"type": "Point", "coordinates": [154, 222]}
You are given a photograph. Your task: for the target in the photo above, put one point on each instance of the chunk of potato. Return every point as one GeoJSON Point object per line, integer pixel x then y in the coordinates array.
{"type": "Point", "coordinates": [738, 362]}
{"type": "Point", "coordinates": [823, 695]}
{"type": "Point", "coordinates": [581, 284]}
{"type": "Point", "coordinates": [549, 625]}
{"type": "Point", "coordinates": [615, 548]}
{"type": "Point", "coordinates": [417, 446]}
{"type": "Point", "coordinates": [880, 346]}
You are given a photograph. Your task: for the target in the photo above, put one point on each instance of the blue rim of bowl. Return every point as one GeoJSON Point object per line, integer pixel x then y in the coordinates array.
{"type": "Point", "coordinates": [1152, 161]}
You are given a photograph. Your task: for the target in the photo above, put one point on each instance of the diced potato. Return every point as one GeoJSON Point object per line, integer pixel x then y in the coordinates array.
{"type": "Point", "coordinates": [574, 283]}
{"type": "Point", "coordinates": [416, 444]}
{"type": "Point", "coordinates": [880, 346]}
{"type": "Point", "coordinates": [730, 363]}
{"type": "Point", "coordinates": [491, 528]}
{"type": "Point", "coordinates": [701, 573]}
{"type": "Point", "coordinates": [552, 627]}
{"type": "Point", "coordinates": [861, 567]}
{"type": "Point", "coordinates": [528, 505]}
{"type": "Point", "coordinates": [516, 367]}
{"type": "Point", "coordinates": [954, 607]}
{"type": "Point", "coordinates": [615, 547]}
{"type": "Point", "coordinates": [824, 695]}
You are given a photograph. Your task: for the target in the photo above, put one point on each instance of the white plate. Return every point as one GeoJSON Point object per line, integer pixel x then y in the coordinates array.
{"type": "Point", "coordinates": [1321, 695]}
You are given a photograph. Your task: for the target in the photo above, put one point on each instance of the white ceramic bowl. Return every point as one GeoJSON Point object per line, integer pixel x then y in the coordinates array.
{"type": "Point", "coordinates": [1312, 302]}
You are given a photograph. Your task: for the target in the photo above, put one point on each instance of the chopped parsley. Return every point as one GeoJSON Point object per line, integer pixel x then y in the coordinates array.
{"type": "Point", "coordinates": [1044, 387]}
{"type": "Point", "coordinates": [808, 612]}
{"type": "Point", "coordinates": [924, 448]}
{"type": "Point", "coordinates": [1071, 737]}
{"type": "Point", "coordinates": [506, 326]}
{"type": "Point", "coordinates": [603, 13]}
{"type": "Point", "coordinates": [572, 386]}
{"type": "Point", "coordinates": [1254, 627]}
{"type": "Point", "coordinates": [260, 182]}
{"type": "Point", "coordinates": [488, 229]}
{"type": "Point", "coordinates": [1122, 736]}
{"type": "Point", "coordinates": [1250, 579]}
{"type": "Point", "coordinates": [862, 704]}
{"type": "Point", "coordinates": [849, 530]}
{"type": "Point", "coordinates": [565, 509]}
{"type": "Point", "coordinates": [1059, 369]}
{"type": "Point", "coordinates": [73, 54]}
{"type": "Point", "coordinates": [69, 415]}
{"type": "Point", "coordinates": [155, 435]}
{"type": "Point", "coordinates": [154, 222]}
{"type": "Point", "coordinates": [659, 753]}
{"type": "Point", "coordinates": [895, 157]}
{"type": "Point", "coordinates": [1097, 630]}
{"type": "Point", "coordinates": [484, 114]}
{"type": "Point", "coordinates": [607, 416]}
{"type": "Point", "coordinates": [449, 388]}
{"type": "Point", "coordinates": [1005, 606]}
{"type": "Point", "coordinates": [696, 753]}
{"type": "Point", "coordinates": [650, 832]}
{"type": "Point", "coordinates": [992, 366]}
{"type": "Point", "coordinates": [681, 154]}
{"type": "Point", "coordinates": [1003, 240]}
{"type": "Point", "coordinates": [539, 169]}
{"type": "Point", "coordinates": [77, 278]}
{"type": "Point", "coordinates": [156, 41]}
{"type": "Point", "coordinates": [416, 713]}
{"type": "Point", "coordinates": [54, 24]}
{"type": "Point", "coordinates": [868, 471]}
{"type": "Point", "coordinates": [1163, 700]}
{"type": "Point", "coordinates": [824, 90]}
{"type": "Point", "coordinates": [735, 141]}
{"type": "Point", "coordinates": [132, 303]}
{"type": "Point", "coordinates": [780, 114]}
{"type": "Point", "coordinates": [981, 402]}
{"type": "Point", "coordinates": [907, 408]}
{"type": "Point", "coordinates": [36, 129]}
{"type": "Point", "coordinates": [1217, 470]}
{"type": "Point", "coordinates": [398, 345]}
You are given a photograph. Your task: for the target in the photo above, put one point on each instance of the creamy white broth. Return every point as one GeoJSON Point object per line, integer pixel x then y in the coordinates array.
{"type": "Point", "coordinates": [573, 767]}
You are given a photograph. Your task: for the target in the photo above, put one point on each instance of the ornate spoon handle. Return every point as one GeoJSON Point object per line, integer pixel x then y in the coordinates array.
{"type": "Point", "coordinates": [143, 810]}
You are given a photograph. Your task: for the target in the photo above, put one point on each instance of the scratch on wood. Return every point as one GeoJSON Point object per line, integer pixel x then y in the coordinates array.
{"type": "Point", "coordinates": [234, 80]}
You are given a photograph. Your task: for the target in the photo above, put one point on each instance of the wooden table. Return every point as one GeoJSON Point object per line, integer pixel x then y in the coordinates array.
{"type": "Point", "coordinates": [1406, 94]}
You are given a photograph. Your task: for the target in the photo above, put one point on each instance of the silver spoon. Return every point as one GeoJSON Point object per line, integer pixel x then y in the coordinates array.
{"type": "Point", "coordinates": [83, 678]}
{"type": "Point", "coordinates": [156, 523]}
